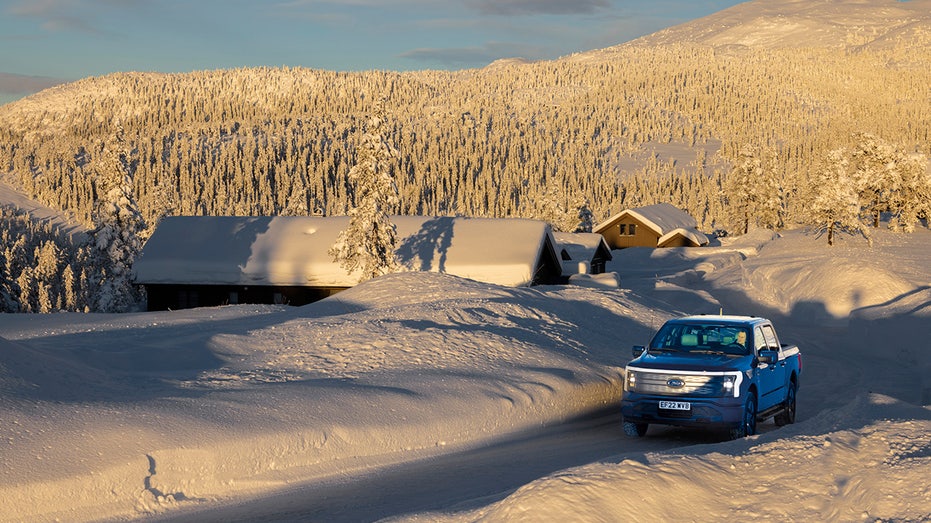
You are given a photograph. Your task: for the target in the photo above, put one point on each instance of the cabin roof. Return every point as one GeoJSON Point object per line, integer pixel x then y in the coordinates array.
{"type": "Point", "coordinates": [582, 245]}
{"type": "Point", "coordinates": [293, 250]}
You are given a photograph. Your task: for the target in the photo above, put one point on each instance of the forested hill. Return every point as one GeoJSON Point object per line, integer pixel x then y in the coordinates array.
{"type": "Point", "coordinates": [634, 124]}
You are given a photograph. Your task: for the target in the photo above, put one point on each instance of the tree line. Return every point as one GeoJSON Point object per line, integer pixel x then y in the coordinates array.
{"type": "Point", "coordinates": [760, 131]}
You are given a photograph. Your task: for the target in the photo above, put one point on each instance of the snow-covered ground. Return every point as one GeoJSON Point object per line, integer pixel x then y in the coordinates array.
{"type": "Point", "coordinates": [156, 414]}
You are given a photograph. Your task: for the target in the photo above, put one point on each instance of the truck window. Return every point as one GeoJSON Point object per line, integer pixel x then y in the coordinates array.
{"type": "Point", "coordinates": [770, 336]}
{"type": "Point", "coordinates": [759, 342]}
{"type": "Point", "coordinates": [691, 337]}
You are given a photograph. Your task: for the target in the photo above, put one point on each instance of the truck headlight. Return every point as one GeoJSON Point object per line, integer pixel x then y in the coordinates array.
{"type": "Point", "coordinates": [728, 385]}
{"type": "Point", "coordinates": [631, 381]}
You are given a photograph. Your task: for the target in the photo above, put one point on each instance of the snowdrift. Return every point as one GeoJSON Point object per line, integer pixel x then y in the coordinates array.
{"type": "Point", "coordinates": [129, 416]}
{"type": "Point", "coordinates": [865, 462]}
{"type": "Point", "coordinates": [134, 414]}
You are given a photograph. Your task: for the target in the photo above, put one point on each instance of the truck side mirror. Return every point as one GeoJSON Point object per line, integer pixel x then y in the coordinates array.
{"type": "Point", "coordinates": [638, 350]}
{"type": "Point", "coordinates": [769, 356]}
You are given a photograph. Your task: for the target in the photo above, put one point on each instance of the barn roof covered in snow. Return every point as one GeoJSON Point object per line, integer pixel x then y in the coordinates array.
{"type": "Point", "coordinates": [293, 250]}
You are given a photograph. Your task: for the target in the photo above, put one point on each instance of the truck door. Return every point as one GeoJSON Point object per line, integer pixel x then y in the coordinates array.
{"type": "Point", "coordinates": [772, 375]}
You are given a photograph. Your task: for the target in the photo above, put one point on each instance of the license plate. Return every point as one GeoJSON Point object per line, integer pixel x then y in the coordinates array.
{"type": "Point", "coordinates": [675, 405]}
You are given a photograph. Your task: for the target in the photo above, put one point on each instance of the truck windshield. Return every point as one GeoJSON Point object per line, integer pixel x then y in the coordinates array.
{"type": "Point", "coordinates": [702, 338]}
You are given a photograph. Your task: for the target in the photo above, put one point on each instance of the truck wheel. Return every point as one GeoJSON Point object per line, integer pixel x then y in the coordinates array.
{"type": "Point", "coordinates": [747, 426]}
{"type": "Point", "coordinates": [787, 416]}
{"type": "Point", "coordinates": [635, 430]}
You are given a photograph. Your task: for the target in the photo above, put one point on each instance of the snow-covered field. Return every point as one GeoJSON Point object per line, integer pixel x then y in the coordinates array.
{"type": "Point", "coordinates": [119, 417]}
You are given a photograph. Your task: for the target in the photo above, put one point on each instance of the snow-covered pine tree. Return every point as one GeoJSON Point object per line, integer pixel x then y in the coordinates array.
{"type": "Point", "coordinates": [752, 190]}
{"type": "Point", "coordinates": [924, 196]}
{"type": "Point", "coordinates": [911, 197]}
{"type": "Point", "coordinates": [549, 208]}
{"type": "Point", "coordinates": [27, 295]}
{"type": "Point", "coordinates": [833, 204]}
{"type": "Point", "coordinates": [368, 244]}
{"type": "Point", "coordinates": [584, 215]}
{"type": "Point", "coordinates": [117, 233]}
{"type": "Point", "coordinates": [873, 167]}
{"type": "Point", "coordinates": [69, 297]}
{"type": "Point", "coordinates": [9, 269]}
{"type": "Point", "coordinates": [48, 259]}
{"type": "Point", "coordinates": [889, 179]}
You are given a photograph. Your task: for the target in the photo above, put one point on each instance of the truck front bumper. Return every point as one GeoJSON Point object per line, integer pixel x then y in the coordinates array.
{"type": "Point", "coordinates": [704, 412]}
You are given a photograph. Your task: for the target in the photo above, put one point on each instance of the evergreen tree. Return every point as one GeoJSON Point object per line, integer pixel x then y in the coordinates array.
{"type": "Point", "coordinates": [833, 204]}
{"type": "Point", "coordinates": [874, 171]}
{"type": "Point", "coordinates": [48, 259]}
{"type": "Point", "coordinates": [44, 297]}
{"type": "Point", "coordinates": [584, 214]}
{"type": "Point", "coordinates": [26, 283]}
{"type": "Point", "coordinates": [911, 197]}
{"type": "Point", "coordinates": [368, 244]}
{"type": "Point", "coordinates": [752, 190]}
{"type": "Point", "coordinates": [888, 179]}
{"type": "Point", "coordinates": [549, 208]}
{"type": "Point", "coordinates": [8, 292]}
{"type": "Point", "coordinates": [84, 283]}
{"type": "Point", "coordinates": [116, 236]}
{"type": "Point", "coordinates": [69, 297]}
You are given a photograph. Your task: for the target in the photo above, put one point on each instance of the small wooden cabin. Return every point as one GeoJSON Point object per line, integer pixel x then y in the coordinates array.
{"type": "Point", "coordinates": [660, 225]}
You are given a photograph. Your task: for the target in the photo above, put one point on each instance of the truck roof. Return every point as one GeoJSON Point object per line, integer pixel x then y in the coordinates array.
{"type": "Point", "coordinates": [721, 319]}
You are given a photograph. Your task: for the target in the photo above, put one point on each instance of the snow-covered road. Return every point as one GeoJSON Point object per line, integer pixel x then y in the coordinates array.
{"type": "Point", "coordinates": [459, 481]}
{"type": "Point", "coordinates": [464, 479]}
{"type": "Point", "coordinates": [425, 397]}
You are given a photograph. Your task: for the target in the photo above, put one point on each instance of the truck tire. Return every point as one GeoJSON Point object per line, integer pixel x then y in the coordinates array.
{"type": "Point", "coordinates": [747, 426]}
{"type": "Point", "coordinates": [635, 430]}
{"type": "Point", "coordinates": [787, 416]}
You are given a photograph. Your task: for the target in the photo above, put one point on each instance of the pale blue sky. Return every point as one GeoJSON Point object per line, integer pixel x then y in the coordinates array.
{"type": "Point", "coordinates": [72, 39]}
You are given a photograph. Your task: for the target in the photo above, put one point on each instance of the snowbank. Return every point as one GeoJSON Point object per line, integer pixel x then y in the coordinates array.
{"type": "Point", "coordinates": [606, 280]}
{"type": "Point", "coordinates": [125, 416]}
{"type": "Point", "coordinates": [865, 462]}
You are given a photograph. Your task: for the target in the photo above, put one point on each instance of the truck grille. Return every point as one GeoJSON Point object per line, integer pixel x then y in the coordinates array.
{"type": "Point", "coordinates": [650, 383]}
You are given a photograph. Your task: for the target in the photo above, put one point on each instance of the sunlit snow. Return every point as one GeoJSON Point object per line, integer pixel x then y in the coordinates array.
{"type": "Point", "coordinates": [124, 416]}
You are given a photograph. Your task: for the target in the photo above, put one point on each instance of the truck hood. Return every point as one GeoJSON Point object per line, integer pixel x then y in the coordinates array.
{"type": "Point", "coordinates": [692, 362]}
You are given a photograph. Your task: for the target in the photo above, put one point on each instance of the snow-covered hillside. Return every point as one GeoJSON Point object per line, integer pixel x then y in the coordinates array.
{"type": "Point", "coordinates": [174, 413]}
{"type": "Point", "coordinates": [40, 213]}
{"type": "Point", "coordinates": [839, 24]}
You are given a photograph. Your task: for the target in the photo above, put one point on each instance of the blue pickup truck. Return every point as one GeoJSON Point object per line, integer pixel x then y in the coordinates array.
{"type": "Point", "coordinates": [721, 372]}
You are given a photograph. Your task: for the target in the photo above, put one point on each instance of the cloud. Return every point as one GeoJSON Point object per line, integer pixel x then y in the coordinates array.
{"type": "Point", "coordinates": [380, 4]}
{"type": "Point", "coordinates": [465, 57]}
{"type": "Point", "coordinates": [534, 7]}
{"type": "Point", "coordinates": [64, 15]}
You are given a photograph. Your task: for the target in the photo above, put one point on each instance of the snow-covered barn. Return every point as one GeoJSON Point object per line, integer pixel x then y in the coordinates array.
{"type": "Point", "coordinates": [659, 225]}
{"type": "Point", "coordinates": [193, 261]}
{"type": "Point", "coordinates": [581, 252]}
